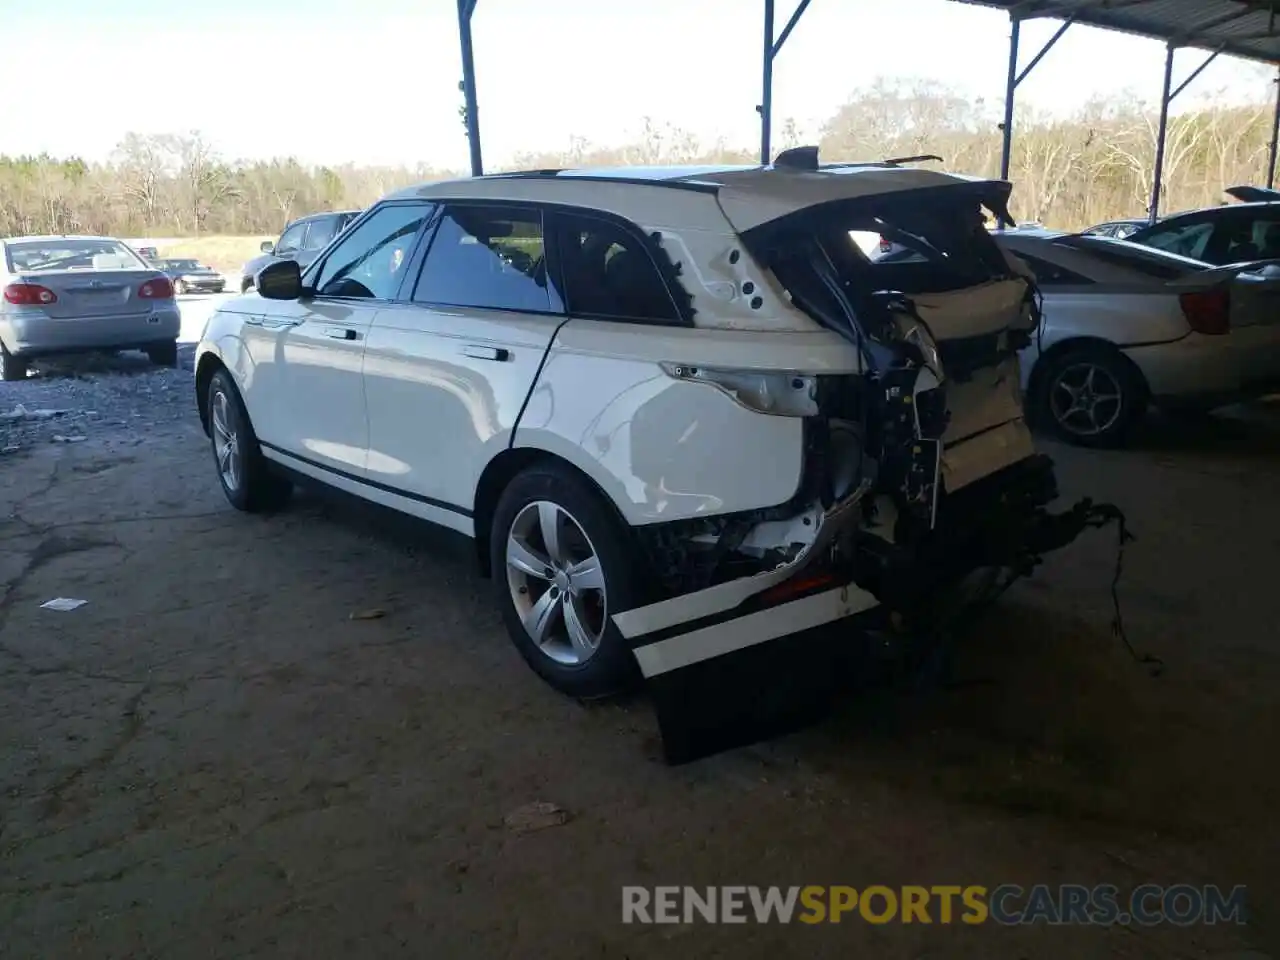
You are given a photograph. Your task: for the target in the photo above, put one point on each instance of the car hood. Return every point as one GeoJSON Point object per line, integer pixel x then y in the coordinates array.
{"type": "Point", "coordinates": [251, 268]}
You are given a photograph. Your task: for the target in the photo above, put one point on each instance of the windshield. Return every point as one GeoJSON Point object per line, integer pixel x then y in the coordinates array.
{"type": "Point", "coordinates": [184, 264]}
{"type": "Point", "coordinates": [71, 253]}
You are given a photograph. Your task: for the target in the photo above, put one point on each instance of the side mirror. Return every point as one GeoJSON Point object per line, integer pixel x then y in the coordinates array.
{"type": "Point", "coordinates": [280, 281]}
{"type": "Point", "coordinates": [267, 247]}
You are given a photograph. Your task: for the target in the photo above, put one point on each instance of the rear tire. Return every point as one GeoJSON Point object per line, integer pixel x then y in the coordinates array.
{"type": "Point", "coordinates": [1089, 395]}
{"type": "Point", "coordinates": [243, 472]}
{"type": "Point", "coordinates": [600, 662]}
{"type": "Point", "coordinates": [12, 369]}
{"type": "Point", "coordinates": [164, 354]}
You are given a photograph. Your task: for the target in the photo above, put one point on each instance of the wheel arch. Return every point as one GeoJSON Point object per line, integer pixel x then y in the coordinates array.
{"type": "Point", "coordinates": [500, 471]}
{"type": "Point", "coordinates": [1035, 379]}
{"type": "Point", "coordinates": [208, 364]}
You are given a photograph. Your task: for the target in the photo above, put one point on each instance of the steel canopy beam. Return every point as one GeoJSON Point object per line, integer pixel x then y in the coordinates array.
{"type": "Point", "coordinates": [1014, 78]}
{"type": "Point", "coordinates": [471, 111]}
{"type": "Point", "coordinates": [771, 48]}
{"type": "Point", "coordinates": [1167, 93]}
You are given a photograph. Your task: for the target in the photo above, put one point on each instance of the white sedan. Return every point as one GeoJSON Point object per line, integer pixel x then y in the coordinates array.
{"type": "Point", "coordinates": [674, 408]}
{"type": "Point", "coordinates": [1127, 325]}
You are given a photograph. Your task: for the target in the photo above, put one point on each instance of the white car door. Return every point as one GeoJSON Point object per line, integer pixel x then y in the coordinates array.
{"type": "Point", "coordinates": [447, 371]}
{"type": "Point", "coordinates": [306, 392]}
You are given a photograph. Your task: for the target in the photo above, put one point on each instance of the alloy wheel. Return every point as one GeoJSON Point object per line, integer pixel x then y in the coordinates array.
{"type": "Point", "coordinates": [1086, 400]}
{"type": "Point", "coordinates": [226, 441]}
{"type": "Point", "coordinates": [557, 583]}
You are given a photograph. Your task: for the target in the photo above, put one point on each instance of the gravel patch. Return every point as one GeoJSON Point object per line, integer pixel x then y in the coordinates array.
{"type": "Point", "coordinates": [96, 397]}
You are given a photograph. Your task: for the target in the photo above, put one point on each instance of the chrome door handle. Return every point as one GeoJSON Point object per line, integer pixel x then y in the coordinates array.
{"type": "Point", "coordinates": [486, 353]}
{"type": "Point", "coordinates": [347, 334]}
{"type": "Point", "coordinates": [276, 323]}
{"type": "Point", "coordinates": [253, 321]}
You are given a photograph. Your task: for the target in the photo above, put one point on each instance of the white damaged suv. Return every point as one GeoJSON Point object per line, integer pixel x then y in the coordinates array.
{"type": "Point", "coordinates": [678, 409]}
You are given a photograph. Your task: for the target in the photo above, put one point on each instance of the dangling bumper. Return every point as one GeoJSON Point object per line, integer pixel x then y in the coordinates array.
{"type": "Point", "coordinates": [745, 658]}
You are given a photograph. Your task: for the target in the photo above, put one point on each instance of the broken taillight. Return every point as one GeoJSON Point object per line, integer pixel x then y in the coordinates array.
{"type": "Point", "coordinates": [1207, 311]}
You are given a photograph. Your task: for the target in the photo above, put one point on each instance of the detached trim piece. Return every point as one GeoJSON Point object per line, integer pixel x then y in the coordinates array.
{"type": "Point", "coordinates": [665, 653]}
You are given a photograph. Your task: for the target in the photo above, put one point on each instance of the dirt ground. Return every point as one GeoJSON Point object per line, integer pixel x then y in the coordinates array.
{"type": "Point", "coordinates": [212, 758]}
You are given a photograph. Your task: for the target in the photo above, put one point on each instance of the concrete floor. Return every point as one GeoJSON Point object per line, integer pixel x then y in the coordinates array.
{"type": "Point", "coordinates": [211, 758]}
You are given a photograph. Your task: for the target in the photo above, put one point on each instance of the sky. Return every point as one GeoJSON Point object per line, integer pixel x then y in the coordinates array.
{"type": "Point", "coordinates": [376, 81]}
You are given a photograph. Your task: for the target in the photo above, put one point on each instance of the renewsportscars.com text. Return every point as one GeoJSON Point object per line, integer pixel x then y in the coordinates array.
{"type": "Point", "coordinates": [1007, 904]}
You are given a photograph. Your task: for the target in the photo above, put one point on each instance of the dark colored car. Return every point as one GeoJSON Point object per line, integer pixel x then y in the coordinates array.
{"type": "Point", "coordinates": [302, 240]}
{"type": "Point", "coordinates": [1233, 233]}
{"type": "Point", "coordinates": [192, 276]}
{"type": "Point", "coordinates": [1119, 229]}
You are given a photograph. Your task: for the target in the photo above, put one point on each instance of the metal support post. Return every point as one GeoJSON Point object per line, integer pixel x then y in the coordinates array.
{"type": "Point", "coordinates": [1161, 131]}
{"type": "Point", "coordinates": [771, 48]}
{"type": "Point", "coordinates": [1013, 79]}
{"type": "Point", "coordinates": [1167, 94]}
{"type": "Point", "coordinates": [1275, 138]}
{"type": "Point", "coordinates": [472, 119]}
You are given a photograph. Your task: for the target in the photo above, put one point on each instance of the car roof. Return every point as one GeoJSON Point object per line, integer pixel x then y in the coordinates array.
{"type": "Point", "coordinates": [56, 236]}
{"type": "Point", "coordinates": [750, 195]}
{"type": "Point", "coordinates": [323, 213]}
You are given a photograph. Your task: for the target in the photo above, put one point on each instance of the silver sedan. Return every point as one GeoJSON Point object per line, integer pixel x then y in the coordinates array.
{"type": "Point", "coordinates": [76, 294]}
{"type": "Point", "coordinates": [1126, 326]}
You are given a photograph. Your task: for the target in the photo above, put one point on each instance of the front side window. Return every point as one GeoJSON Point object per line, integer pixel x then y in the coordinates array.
{"type": "Point", "coordinates": [320, 232]}
{"type": "Point", "coordinates": [489, 257]}
{"type": "Point", "coordinates": [609, 274]}
{"type": "Point", "coordinates": [292, 238]}
{"type": "Point", "coordinates": [369, 262]}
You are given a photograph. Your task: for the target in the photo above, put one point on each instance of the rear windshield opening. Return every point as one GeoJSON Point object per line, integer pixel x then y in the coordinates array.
{"type": "Point", "coordinates": [70, 253]}
{"type": "Point", "coordinates": [922, 244]}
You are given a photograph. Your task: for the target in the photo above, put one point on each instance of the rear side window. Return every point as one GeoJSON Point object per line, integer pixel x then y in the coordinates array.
{"type": "Point", "coordinates": [1188, 240]}
{"type": "Point", "coordinates": [488, 257]}
{"type": "Point", "coordinates": [609, 274]}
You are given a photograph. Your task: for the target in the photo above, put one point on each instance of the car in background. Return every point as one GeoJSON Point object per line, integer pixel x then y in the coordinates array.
{"type": "Point", "coordinates": [1247, 194]}
{"type": "Point", "coordinates": [62, 295]}
{"type": "Point", "coordinates": [301, 241]}
{"type": "Point", "coordinates": [192, 276]}
{"type": "Point", "coordinates": [1117, 229]}
{"type": "Point", "coordinates": [150, 254]}
{"type": "Point", "coordinates": [677, 410]}
{"type": "Point", "coordinates": [1231, 233]}
{"type": "Point", "coordinates": [1125, 326]}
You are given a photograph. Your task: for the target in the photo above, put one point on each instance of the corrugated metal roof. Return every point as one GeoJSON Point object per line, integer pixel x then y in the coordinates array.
{"type": "Point", "coordinates": [1241, 28]}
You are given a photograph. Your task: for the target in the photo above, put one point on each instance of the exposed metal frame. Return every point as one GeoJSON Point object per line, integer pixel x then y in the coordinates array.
{"type": "Point", "coordinates": [1092, 12]}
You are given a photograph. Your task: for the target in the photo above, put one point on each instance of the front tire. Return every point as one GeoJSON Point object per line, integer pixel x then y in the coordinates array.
{"type": "Point", "coordinates": [243, 472]}
{"type": "Point", "coordinates": [1090, 395]}
{"type": "Point", "coordinates": [562, 565]}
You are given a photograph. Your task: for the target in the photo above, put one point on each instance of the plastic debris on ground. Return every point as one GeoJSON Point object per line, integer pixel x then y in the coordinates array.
{"type": "Point", "coordinates": [62, 604]}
